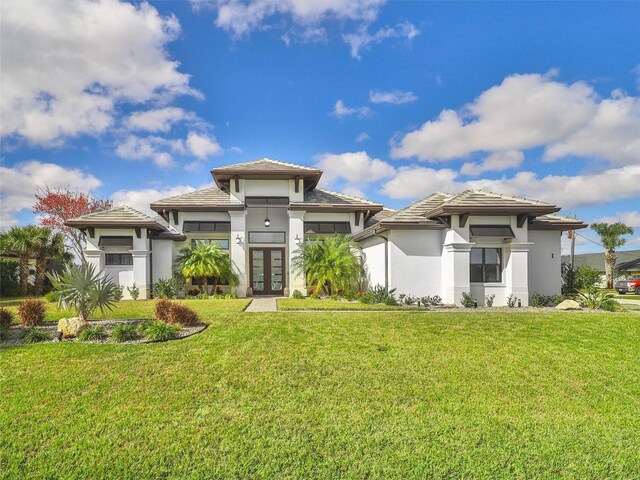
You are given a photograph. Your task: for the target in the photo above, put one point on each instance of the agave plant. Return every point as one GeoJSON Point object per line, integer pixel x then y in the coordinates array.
{"type": "Point", "coordinates": [85, 290]}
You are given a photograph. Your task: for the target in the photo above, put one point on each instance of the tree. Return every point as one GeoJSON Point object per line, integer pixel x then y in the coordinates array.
{"type": "Point", "coordinates": [47, 246]}
{"type": "Point", "coordinates": [611, 237]}
{"type": "Point", "coordinates": [62, 204]}
{"type": "Point", "coordinates": [201, 260]}
{"type": "Point", "coordinates": [20, 242]}
{"type": "Point", "coordinates": [84, 289]}
{"type": "Point", "coordinates": [329, 265]}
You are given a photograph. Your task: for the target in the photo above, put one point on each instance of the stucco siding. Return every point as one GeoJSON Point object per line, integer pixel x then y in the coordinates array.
{"type": "Point", "coordinates": [373, 250]}
{"type": "Point", "coordinates": [415, 262]}
{"type": "Point", "coordinates": [544, 262]}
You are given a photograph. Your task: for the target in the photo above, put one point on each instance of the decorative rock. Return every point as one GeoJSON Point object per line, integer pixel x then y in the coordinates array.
{"type": "Point", "coordinates": [71, 327]}
{"type": "Point", "coordinates": [568, 305]}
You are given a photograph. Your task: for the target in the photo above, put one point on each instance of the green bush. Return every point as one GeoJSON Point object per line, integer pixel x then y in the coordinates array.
{"type": "Point", "coordinates": [161, 331]}
{"type": "Point", "coordinates": [431, 300]}
{"type": "Point", "coordinates": [35, 335]}
{"type": "Point", "coordinates": [511, 301]}
{"type": "Point", "coordinates": [134, 291]}
{"type": "Point", "coordinates": [6, 317]}
{"type": "Point", "coordinates": [408, 299]}
{"type": "Point", "coordinates": [297, 294]}
{"type": "Point", "coordinates": [92, 334]}
{"type": "Point", "coordinates": [348, 294]}
{"type": "Point", "coordinates": [334, 297]}
{"type": "Point", "coordinates": [142, 326]}
{"type": "Point", "coordinates": [123, 332]}
{"type": "Point", "coordinates": [467, 300]}
{"type": "Point", "coordinates": [9, 284]}
{"type": "Point", "coordinates": [538, 300]}
{"type": "Point", "coordinates": [231, 296]}
{"type": "Point", "coordinates": [366, 299]}
{"type": "Point", "coordinates": [31, 312]}
{"type": "Point", "coordinates": [52, 297]}
{"type": "Point", "coordinates": [202, 296]}
{"type": "Point", "coordinates": [118, 293]}
{"type": "Point", "coordinates": [586, 277]}
{"type": "Point", "coordinates": [217, 296]}
{"type": "Point", "coordinates": [596, 299]}
{"type": "Point", "coordinates": [166, 288]}
{"type": "Point", "coordinates": [488, 300]}
{"type": "Point", "coordinates": [380, 294]}
{"type": "Point", "coordinates": [4, 333]}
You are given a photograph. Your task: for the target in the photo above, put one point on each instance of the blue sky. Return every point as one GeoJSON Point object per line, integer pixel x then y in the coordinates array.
{"type": "Point", "coordinates": [394, 100]}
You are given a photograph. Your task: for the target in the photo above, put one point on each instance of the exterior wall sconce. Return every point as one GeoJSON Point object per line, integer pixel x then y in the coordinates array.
{"type": "Point", "coordinates": [238, 239]}
{"type": "Point", "coordinates": [298, 240]}
{"type": "Point", "coordinates": [267, 222]}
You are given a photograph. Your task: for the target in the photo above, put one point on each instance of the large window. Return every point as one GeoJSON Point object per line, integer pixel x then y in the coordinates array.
{"type": "Point", "coordinates": [486, 265]}
{"type": "Point", "coordinates": [266, 237]}
{"type": "Point", "coordinates": [192, 226]}
{"type": "Point", "coordinates": [119, 259]}
{"type": "Point", "coordinates": [223, 243]}
{"type": "Point", "coordinates": [327, 227]}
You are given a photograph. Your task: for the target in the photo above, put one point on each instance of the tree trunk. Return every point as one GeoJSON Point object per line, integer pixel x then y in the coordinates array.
{"type": "Point", "coordinates": [206, 286]}
{"type": "Point", "coordinates": [24, 276]}
{"type": "Point", "coordinates": [41, 268]}
{"type": "Point", "coordinates": [609, 265]}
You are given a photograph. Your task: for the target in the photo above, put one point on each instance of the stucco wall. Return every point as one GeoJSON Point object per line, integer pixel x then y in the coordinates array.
{"type": "Point", "coordinates": [545, 262]}
{"type": "Point", "coordinates": [373, 250]}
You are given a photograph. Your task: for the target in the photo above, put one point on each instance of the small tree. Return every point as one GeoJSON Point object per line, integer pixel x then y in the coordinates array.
{"type": "Point", "coordinates": [329, 265]}
{"type": "Point", "coordinates": [61, 204]}
{"type": "Point", "coordinates": [201, 260]}
{"type": "Point", "coordinates": [83, 289]}
{"type": "Point", "coordinates": [47, 246]}
{"type": "Point", "coordinates": [611, 237]}
{"type": "Point", "coordinates": [20, 242]}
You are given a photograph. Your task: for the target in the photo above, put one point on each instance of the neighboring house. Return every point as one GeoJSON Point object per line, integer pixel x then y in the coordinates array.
{"type": "Point", "coordinates": [627, 263]}
{"type": "Point", "coordinates": [261, 211]}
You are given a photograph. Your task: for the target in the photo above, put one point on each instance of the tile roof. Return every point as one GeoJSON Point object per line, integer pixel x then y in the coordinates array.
{"type": "Point", "coordinates": [207, 197]}
{"type": "Point", "coordinates": [123, 215]}
{"type": "Point", "coordinates": [481, 197]}
{"type": "Point", "coordinates": [321, 196]}
{"type": "Point", "coordinates": [416, 211]}
{"type": "Point", "coordinates": [267, 164]}
{"type": "Point", "coordinates": [555, 221]}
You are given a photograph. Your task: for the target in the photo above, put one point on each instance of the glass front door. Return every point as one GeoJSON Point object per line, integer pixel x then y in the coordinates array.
{"type": "Point", "coordinates": [267, 271]}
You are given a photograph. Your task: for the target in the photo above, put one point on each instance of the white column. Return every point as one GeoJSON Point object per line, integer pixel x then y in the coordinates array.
{"type": "Point", "coordinates": [141, 272]}
{"type": "Point", "coordinates": [296, 230]}
{"type": "Point", "coordinates": [517, 271]}
{"type": "Point", "coordinates": [238, 250]}
{"type": "Point", "coordinates": [455, 271]}
{"type": "Point", "coordinates": [95, 258]}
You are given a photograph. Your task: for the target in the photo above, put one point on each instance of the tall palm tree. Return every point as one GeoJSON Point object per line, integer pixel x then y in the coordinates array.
{"type": "Point", "coordinates": [48, 246]}
{"type": "Point", "coordinates": [21, 242]}
{"type": "Point", "coordinates": [329, 265]}
{"type": "Point", "coordinates": [201, 260]}
{"type": "Point", "coordinates": [611, 237]}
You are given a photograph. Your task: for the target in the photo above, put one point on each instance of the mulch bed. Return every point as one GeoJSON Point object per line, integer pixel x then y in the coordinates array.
{"type": "Point", "coordinates": [16, 331]}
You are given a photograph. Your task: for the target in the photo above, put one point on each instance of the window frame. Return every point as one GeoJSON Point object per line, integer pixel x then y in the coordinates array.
{"type": "Point", "coordinates": [218, 226]}
{"type": "Point", "coordinates": [120, 256]}
{"type": "Point", "coordinates": [214, 240]}
{"type": "Point", "coordinates": [484, 265]}
{"type": "Point", "coordinates": [251, 241]}
{"type": "Point", "coordinates": [333, 229]}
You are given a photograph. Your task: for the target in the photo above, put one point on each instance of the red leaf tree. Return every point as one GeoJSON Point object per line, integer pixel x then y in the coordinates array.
{"type": "Point", "coordinates": [61, 204]}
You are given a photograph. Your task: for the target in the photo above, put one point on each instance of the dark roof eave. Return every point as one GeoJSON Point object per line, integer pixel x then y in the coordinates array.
{"type": "Point", "coordinates": [333, 207]}
{"type": "Point", "coordinates": [112, 224]}
{"type": "Point", "coordinates": [491, 210]}
{"type": "Point", "coordinates": [176, 237]}
{"type": "Point", "coordinates": [535, 225]}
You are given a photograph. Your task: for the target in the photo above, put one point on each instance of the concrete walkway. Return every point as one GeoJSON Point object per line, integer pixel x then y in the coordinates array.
{"type": "Point", "coordinates": [262, 304]}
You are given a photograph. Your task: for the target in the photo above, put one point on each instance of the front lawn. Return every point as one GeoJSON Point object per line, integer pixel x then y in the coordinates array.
{"type": "Point", "coordinates": [313, 304]}
{"type": "Point", "coordinates": [340, 395]}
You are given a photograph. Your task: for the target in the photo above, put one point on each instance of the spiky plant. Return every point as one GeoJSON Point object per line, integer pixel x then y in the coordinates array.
{"type": "Point", "coordinates": [201, 260]}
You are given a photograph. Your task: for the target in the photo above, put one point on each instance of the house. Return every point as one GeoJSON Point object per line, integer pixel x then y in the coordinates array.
{"type": "Point", "coordinates": [627, 263]}
{"type": "Point", "coordinates": [261, 211]}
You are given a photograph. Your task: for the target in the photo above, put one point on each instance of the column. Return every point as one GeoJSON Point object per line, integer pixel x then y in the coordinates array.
{"type": "Point", "coordinates": [238, 250]}
{"type": "Point", "coordinates": [95, 258]}
{"type": "Point", "coordinates": [296, 231]}
{"type": "Point", "coordinates": [517, 271]}
{"type": "Point", "coordinates": [455, 271]}
{"type": "Point", "coordinates": [141, 272]}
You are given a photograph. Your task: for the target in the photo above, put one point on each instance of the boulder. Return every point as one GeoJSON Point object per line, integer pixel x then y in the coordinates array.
{"type": "Point", "coordinates": [71, 327]}
{"type": "Point", "coordinates": [568, 305]}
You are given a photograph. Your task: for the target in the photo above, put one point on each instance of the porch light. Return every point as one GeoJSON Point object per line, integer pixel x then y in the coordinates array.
{"type": "Point", "coordinates": [267, 222]}
{"type": "Point", "coordinates": [238, 239]}
{"type": "Point", "coordinates": [298, 240]}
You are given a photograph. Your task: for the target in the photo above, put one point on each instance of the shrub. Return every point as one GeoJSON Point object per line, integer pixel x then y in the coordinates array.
{"type": "Point", "coordinates": [93, 333]}
{"type": "Point", "coordinates": [161, 331]}
{"type": "Point", "coordinates": [181, 314]}
{"type": "Point", "coordinates": [52, 296]}
{"type": "Point", "coordinates": [194, 291]}
{"type": "Point", "coordinates": [366, 299]}
{"type": "Point", "coordinates": [134, 291]}
{"type": "Point", "coordinates": [219, 290]}
{"type": "Point", "coordinates": [586, 277]}
{"type": "Point", "coordinates": [202, 296]}
{"type": "Point", "coordinates": [166, 288]}
{"type": "Point", "coordinates": [380, 294]}
{"type": "Point", "coordinates": [4, 333]}
{"type": "Point", "coordinates": [217, 296]}
{"type": "Point", "coordinates": [408, 299]}
{"type": "Point", "coordinates": [467, 300]}
{"type": "Point", "coordinates": [9, 283]}
{"type": "Point", "coordinates": [558, 298]}
{"type": "Point", "coordinates": [142, 326]}
{"type": "Point", "coordinates": [31, 312]}
{"type": "Point", "coordinates": [123, 332]}
{"type": "Point", "coordinates": [334, 297]}
{"type": "Point", "coordinates": [6, 317]}
{"type": "Point", "coordinates": [35, 335]}
{"type": "Point", "coordinates": [163, 306]}
{"type": "Point", "coordinates": [297, 294]}
{"type": "Point", "coordinates": [511, 301]}
{"type": "Point", "coordinates": [350, 295]}
{"type": "Point", "coordinates": [118, 293]}
{"type": "Point", "coordinates": [231, 296]}
{"type": "Point", "coordinates": [538, 300]}
{"type": "Point", "coordinates": [314, 296]}
{"type": "Point", "coordinates": [428, 300]}
{"type": "Point", "coordinates": [488, 300]}
{"type": "Point", "coordinates": [596, 299]}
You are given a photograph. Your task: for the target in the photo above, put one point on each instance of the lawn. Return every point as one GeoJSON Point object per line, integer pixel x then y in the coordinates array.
{"type": "Point", "coordinates": [311, 304]}
{"type": "Point", "coordinates": [341, 395]}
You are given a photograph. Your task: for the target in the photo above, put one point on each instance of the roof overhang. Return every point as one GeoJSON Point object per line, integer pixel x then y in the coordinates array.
{"type": "Point", "coordinates": [112, 224]}
{"type": "Point", "coordinates": [336, 207]}
{"type": "Point", "coordinates": [383, 226]}
{"type": "Point", "coordinates": [168, 207]}
{"type": "Point", "coordinates": [535, 224]}
{"type": "Point", "coordinates": [491, 210]}
{"type": "Point", "coordinates": [223, 176]}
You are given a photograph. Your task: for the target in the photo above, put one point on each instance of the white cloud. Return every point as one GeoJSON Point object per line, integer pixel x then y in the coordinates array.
{"type": "Point", "coordinates": [395, 97]}
{"type": "Point", "coordinates": [495, 162]}
{"type": "Point", "coordinates": [527, 111]}
{"type": "Point", "coordinates": [356, 168]}
{"type": "Point", "coordinates": [636, 70]}
{"type": "Point", "coordinates": [363, 137]}
{"type": "Point", "coordinates": [565, 191]}
{"type": "Point", "coordinates": [159, 119]}
{"type": "Point", "coordinates": [362, 39]}
{"type": "Point", "coordinates": [630, 218]}
{"type": "Point", "coordinates": [142, 198]}
{"type": "Point", "coordinates": [67, 65]}
{"type": "Point", "coordinates": [202, 146]}
{"type": "Point", "coordinates": [341, 110]}
{"type": "Point", "coordinates": [20, 184]}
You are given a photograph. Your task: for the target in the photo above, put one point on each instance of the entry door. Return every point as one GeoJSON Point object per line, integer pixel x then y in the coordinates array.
{"type": "Point", "coordinates": [267, 271]}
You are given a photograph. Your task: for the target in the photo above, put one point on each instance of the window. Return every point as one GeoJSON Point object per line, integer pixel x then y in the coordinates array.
{"type": "Point", "coordinates": [119, 259]}
{"type": "Point", "coordinates": [114, 241]}
{"type": "Point", "coordinates": [265, 201]}
{"type": "Point", "coordinates": [206, 226]}
{"type": "Point", "coordinates": [266, 237]}
{"type": "Point", "coordinates": [223, 243]}
{"type": "Point", "coordinates": [502, 231]}
{"type": "Point", "coordinates": [327, 227]}
{"type": "Point", "coordinates": [486, 265]}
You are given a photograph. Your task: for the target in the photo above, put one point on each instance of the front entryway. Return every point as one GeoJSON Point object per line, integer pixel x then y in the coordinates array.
{"type": "Point", "coordinates": [267, 271]}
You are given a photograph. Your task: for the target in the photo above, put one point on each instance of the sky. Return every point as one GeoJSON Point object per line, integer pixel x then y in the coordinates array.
{"type": "Point", "coordinates": [392, 100]}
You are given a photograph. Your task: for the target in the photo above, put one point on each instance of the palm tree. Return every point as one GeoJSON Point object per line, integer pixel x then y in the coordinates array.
{"type": "Point", "coordinates": [201, 260]}
{"type": "Point", "coordinates": [47, 246]}
{"type": "Point", "coordinates": [21, 242]}
{"type": "Point", "coordinates": [611, 237]}
{"type": "Point", "coordinates": [329, 265]}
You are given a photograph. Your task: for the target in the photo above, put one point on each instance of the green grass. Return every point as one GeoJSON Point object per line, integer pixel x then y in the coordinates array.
{"type": "Point", "coordinates": [311, 304]}
{"type": "Point", "coordinates": [342, 395]}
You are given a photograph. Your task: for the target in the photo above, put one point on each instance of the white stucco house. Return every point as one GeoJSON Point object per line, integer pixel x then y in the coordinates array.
{"type": "Point", "coordinates": [261, 211]}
